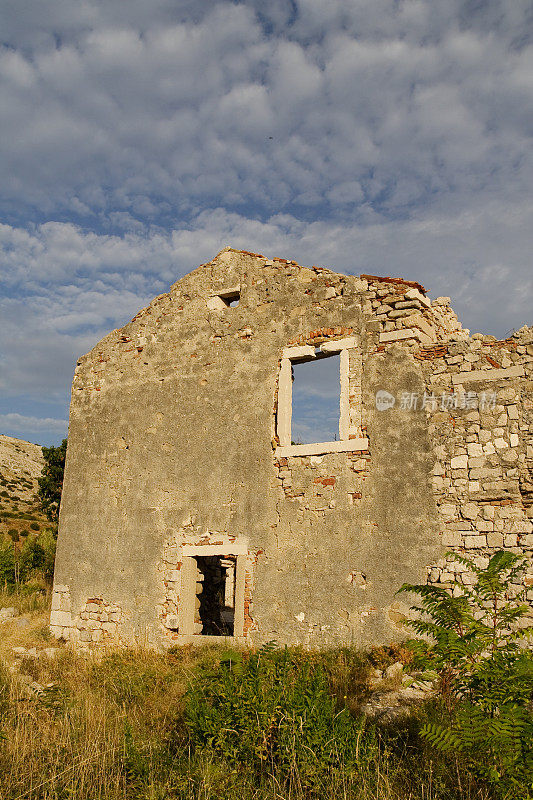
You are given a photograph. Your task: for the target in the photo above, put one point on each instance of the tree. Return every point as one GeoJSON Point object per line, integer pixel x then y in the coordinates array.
{"type": "Point", "coordinates": [472, 640]}
{"type": "Point", "coordinates": [51, 480]}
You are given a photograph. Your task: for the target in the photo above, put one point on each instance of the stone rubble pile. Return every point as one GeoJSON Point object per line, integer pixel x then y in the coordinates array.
{"type": "Point", "coordinates": [395, 691]}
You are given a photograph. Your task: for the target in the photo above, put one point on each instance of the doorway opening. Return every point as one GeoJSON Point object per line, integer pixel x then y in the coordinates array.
{"type": "Point", "coordinates": [214, 613]}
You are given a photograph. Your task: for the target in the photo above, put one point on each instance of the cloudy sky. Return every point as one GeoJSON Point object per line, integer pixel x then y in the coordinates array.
{"type": "Point", "coordinates": [139, 138]}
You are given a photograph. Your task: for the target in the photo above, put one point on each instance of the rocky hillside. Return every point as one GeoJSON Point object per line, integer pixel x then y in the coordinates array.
{"type": "Point", "coordinates": [20, 466]}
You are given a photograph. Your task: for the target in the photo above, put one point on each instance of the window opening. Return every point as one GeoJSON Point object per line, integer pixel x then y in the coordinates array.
{"type": "Point", "coordinates": [230, 299]}
{"type": "Point", "coordinates": [316, 399]}
{"type": "Point", "coordinates": [214, 613]}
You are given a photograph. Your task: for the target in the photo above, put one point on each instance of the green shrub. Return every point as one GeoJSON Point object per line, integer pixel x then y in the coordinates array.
{"type": "Point", "coordinates": [486, 677]}
{"type": "Point", "coordinates": [34, 526]}
{"type": "Point", "coordinates": [13, 532]}
{"type": "Point", "coordinates": [273, 706]}
{"type": "Point", "coordinates": [38, 555]}
{"type": "Point", "coordinates": [7, 564]}
{"type": "Point", "coordinates": [348, 673]}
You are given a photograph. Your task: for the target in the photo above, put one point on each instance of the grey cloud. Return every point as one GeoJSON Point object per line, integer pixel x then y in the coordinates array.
{"type": "Point", "coordinates": [22, 423]}
{"type": "Point", "coordinates": [56, 251]}
{"type": "Point", "coordinates": [152, 114]}
{"type": "Point", "coordinates": [31, 25]}
{"type": "Point", "coordinates": [480, 258]}
{"type": "Point", "coordinates": [365, 135]}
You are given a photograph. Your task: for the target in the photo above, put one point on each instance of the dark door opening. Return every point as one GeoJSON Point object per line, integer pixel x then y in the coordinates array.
{"type": "Point", "coordinates": [214, 613]}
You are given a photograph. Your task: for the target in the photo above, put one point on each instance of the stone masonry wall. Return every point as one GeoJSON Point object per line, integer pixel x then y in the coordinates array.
{"type": "Point", "coordinates": [173, 444]}
{"type": "Point", "coordinates": [478, 400]}
{"type": "Point", "coordinates": [484, 449]}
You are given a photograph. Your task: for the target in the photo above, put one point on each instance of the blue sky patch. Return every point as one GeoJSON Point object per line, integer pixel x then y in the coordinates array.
{"type": "Point", "coordinates": [139, 139]}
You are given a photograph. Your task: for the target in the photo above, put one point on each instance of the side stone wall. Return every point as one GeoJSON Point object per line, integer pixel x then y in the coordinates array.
{"type": "Point", "coordinates": [483, 475]}
{"type": "Point", "coordinates": [478, 403]}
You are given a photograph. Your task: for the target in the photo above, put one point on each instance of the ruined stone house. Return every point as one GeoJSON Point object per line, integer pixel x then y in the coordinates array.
{"type": "Point", "coordinates": [189, 512]}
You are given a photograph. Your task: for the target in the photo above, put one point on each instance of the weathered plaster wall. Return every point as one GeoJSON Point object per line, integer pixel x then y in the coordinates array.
{"type": "Point", "coordinates": [172, 444]}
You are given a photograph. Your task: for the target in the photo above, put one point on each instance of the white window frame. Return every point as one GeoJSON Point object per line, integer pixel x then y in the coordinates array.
{"type": "Point", "coordinates": [284, 416]}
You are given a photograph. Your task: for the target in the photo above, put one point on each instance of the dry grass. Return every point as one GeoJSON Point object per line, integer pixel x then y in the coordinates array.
{"type": "Point", "coordinates": [35, 609]}
{"type": "Point", "coordinates": [99, 724]}
{"type": "Point", "coordinates": [110, 726]}
{"type": "Point", "coordinates": [59, 743]}
{"type": "Point", "coordinates": [71, 752]}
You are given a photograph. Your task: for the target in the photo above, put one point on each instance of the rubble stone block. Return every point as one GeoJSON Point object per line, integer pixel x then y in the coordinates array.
{"type": "Point", "coordinates": [451, 538]}
{"type": "Point", "coordinates": [61, 618]}
{"type": "Point", "coordinates": [459, 462]}
{"type": "Point", "coordinates": [475, 542]}
{"type": "Point", "coordinates": [470, 510]}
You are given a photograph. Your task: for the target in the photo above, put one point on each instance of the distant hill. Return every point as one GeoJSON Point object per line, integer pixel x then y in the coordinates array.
{"type": "Point", "coordinates": [20, 466]}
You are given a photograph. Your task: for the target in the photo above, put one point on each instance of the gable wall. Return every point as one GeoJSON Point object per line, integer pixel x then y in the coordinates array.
{"type": "Point", "coordinates": [172, 443]}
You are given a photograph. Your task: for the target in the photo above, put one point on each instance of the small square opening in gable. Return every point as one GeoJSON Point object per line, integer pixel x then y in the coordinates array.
{"type": "Point", "coordinates": [223, 300]}
{"type": "Point", "coordinates": [231, 299]}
